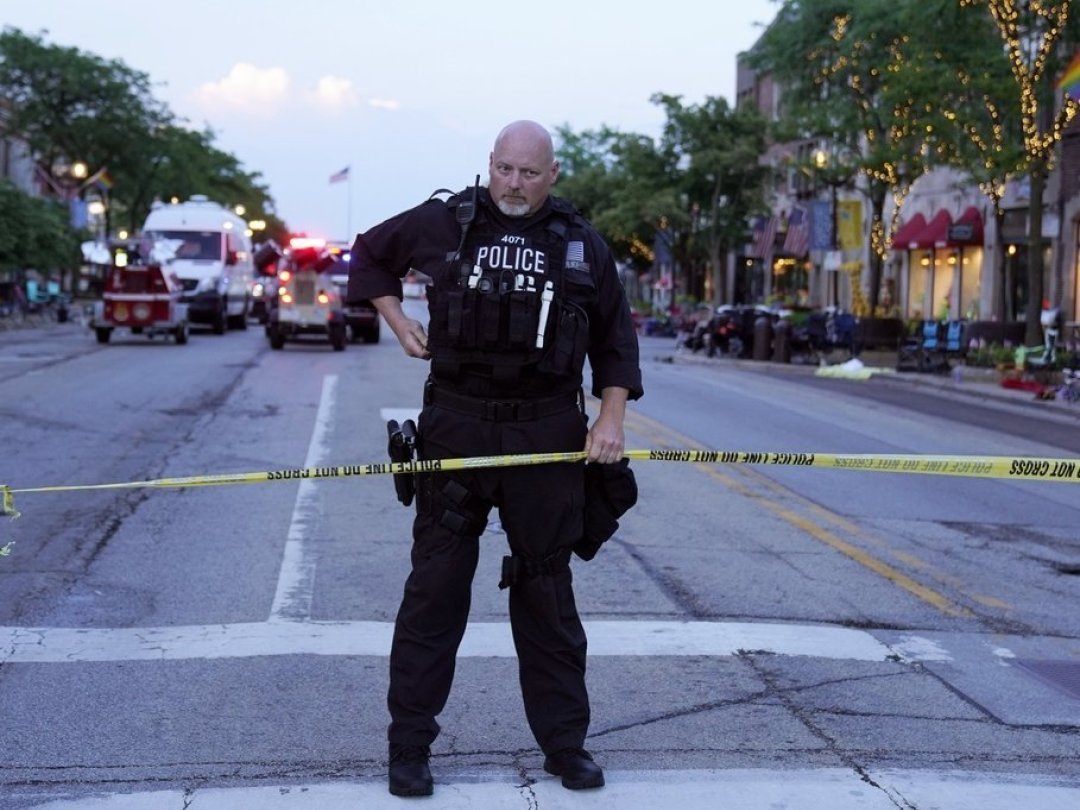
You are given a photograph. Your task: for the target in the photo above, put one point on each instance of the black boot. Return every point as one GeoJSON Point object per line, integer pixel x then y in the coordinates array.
{"type": "Point", "coordinates": [409, 772]}
{"type": "Point", "coordinates": [576, 767]}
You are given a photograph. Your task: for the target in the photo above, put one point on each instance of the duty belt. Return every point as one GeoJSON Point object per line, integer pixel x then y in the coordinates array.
{"type": "Point", "coordinates": [512, 410]}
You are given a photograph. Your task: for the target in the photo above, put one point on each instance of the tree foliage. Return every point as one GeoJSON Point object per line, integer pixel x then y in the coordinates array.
{"type": "Point", "coordinates": [910, 84]}
{"type": "Point", "coordinates": [72, 106]}
{"type": "Point", "coordinates": [614, 178]}
{"type": "Point", "coordinates": [723, 181]}
{"type": "Point", "coordinates": [839, 63]}
{"type": "Point", "coordinates": [35, 233]}
{"type": "Point", "coordinates": [178, 162]}
{"type": "Point", "coordinates": [692, 190]}
{"type": "Point", "coordinates": [1036, 39]}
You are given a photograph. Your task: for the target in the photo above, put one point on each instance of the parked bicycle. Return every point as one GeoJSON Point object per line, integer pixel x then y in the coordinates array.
{"type": "Point", "coordinates": [18, 305]}
{"type": "Point", "coordinates": [1069, 390]}
{"type": "Point", "coordinates": [823, 333]}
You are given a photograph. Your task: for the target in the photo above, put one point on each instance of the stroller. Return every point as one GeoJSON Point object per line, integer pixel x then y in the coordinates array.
{"type": "Point", "coordinates": [823, 333]}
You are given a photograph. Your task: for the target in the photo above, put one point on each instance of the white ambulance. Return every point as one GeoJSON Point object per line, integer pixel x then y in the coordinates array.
{"type": "Point", "coordinates": [213, 259]}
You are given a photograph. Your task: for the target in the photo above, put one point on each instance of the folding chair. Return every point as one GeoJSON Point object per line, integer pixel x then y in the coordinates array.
{"type": "Point", "coordinates": [916, 350]}
{"type": "Point", "coordinates": [953, 345]}
{"type": "Point", "coordinates": [34, 293]}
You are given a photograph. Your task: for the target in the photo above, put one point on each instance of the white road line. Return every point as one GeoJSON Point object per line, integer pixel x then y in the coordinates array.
{"type": "Point", "coordinates": [832, 788]}
{"type": "Point", "coordinates": [482, 640]}
{"type": "Point", "coordinates": [296, 581]}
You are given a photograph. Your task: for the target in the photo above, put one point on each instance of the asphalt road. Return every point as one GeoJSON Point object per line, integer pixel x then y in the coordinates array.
{"type": "Point", "coordinates": [760, 636]}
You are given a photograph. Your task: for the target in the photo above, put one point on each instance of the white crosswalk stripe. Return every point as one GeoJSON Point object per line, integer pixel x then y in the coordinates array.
{"type": "Point", "coordinates": [831, 788]}
{"type": "Point", "coordinates": [482, 640]}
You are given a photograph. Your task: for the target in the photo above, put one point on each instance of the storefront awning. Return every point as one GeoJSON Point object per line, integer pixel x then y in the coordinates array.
{"type": "Point", "coordinates": [906, 232]}
{"type": "Point", "coordinates": [935, 234]}
{"type": "Point", "coordinates": [967, 230]}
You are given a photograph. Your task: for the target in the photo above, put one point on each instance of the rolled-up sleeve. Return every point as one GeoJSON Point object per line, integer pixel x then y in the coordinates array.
{"type": "Point", "coordinates": [613, 345]}
{"type": "Point", "coordinates": [413, 239]}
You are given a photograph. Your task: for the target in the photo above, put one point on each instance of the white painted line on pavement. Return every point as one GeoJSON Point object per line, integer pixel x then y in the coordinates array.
{"type": "Point", "coordinates": [482, 640]}
{"type": "Point", "coordinates": [832, 788]}
{"type": "Point", "coordinates": [296, 581]}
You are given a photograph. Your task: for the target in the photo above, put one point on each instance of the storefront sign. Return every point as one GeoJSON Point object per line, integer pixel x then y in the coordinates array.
{"type": "Point", "coordinates": [961, 232]}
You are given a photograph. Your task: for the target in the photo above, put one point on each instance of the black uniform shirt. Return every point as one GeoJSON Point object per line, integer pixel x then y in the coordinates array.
{"type": "Point", "coordinates": [423, 237]}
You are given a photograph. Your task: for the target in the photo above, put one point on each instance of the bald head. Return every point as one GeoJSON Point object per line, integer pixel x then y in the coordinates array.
{"type": "Point", "coordinates": [526, 135]}
{"type": "Point", "coordinates": [522, 168]}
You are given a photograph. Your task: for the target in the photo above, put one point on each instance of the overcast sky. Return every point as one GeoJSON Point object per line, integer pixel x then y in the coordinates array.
{"type": "Point", "coordinates": [409, 95]}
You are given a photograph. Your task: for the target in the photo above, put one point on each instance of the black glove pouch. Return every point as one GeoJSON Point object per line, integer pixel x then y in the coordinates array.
{"type": "Point", "coordinates": [610, 491]}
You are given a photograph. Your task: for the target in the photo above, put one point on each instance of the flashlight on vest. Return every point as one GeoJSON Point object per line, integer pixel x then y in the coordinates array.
{"type": "Point", "coordinates": [546, 298]}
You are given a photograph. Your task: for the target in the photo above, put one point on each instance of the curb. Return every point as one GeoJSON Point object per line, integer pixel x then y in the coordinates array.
{"type": "Point", "coordinates": [981, 387]}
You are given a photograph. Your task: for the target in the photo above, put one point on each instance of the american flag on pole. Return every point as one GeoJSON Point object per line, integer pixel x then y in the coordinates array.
{"type": "Point", "coordinates": [764, 236]}
{"type": "Point", "coordinates": [797, 240]}
{"type": "Point", "coordinates": [341, 176]}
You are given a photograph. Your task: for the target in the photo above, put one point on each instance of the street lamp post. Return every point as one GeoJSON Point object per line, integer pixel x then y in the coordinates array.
{"type": "Point", "coordinates": [97, 209]}
{"type": "Point", "coordinates": [67, 180]}
{"type": "Point", "coordinates": [833, 168]}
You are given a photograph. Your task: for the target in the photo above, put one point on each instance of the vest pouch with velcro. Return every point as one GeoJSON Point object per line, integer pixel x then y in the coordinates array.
{"type": "Point", "coordinates": [490, 311]}
{"type": "Point", "coordinates": [522, 316]}
{"type": "Point", "coordinates": [566, 354]}
{"type": "Point", "coordinates": [569, 324]}
{"type": "Point", "coordinates": [453, 316]}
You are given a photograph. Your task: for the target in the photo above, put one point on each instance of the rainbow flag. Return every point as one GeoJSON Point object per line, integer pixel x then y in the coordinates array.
{"type": "Point", "coordinates": [1069, 83]}
{"type": "Point", "coordinates": [100, 179]}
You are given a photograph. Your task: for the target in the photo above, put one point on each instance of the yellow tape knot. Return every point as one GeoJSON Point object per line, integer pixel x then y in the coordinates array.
{"type": "Point", "coordinates": [7, 500]}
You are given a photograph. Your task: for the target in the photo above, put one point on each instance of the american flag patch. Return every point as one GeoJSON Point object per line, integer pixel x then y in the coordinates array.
{"type": "Point", "coordinates": [575, 253]}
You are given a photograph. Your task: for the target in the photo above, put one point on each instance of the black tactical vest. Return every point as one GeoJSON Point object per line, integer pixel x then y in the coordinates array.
{"type": "Point", "coordinates": [511, 308]}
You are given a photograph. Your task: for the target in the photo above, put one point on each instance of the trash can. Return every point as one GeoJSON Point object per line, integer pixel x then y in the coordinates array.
{"type": "Point", "coordinates": [781, 344]}
{"type": "Point", "coordinates": [763, 334]}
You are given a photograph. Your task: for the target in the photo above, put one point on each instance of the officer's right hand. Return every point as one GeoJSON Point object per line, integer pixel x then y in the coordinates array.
{"type": "Point", "coordinates": [414, 340]}
{"type": "Point", "coordinates": [410, 333]}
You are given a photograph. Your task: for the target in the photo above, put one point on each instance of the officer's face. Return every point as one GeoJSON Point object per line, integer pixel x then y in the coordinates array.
{"type": "Point", "coordinates": [521, 173]}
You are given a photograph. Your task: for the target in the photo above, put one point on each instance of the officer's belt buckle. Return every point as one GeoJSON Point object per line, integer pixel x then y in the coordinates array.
{"type": "Point", "coordinates": [495, 411]}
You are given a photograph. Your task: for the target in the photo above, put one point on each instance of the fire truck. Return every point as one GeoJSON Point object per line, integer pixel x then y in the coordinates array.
{"type": "Point", "coordinates": [141, 294]}
{"type": "Point", "coordinates": [307, 303]}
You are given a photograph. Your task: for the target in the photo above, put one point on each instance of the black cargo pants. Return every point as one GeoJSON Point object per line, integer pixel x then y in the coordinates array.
{"type": "Point", "coordinates": [541, 510]}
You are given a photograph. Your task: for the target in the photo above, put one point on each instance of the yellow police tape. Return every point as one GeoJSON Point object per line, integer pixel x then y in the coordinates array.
{"type": "Point", "coordinates": [1003, 467]}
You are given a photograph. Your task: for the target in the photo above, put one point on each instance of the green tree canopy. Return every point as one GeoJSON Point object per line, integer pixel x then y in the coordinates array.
{"type": "Point", "coordinates": [838, 63]}
{"type": "Point", "coordinates": [1036, 39]}
{"type": "Point", "coordinates": [721, 177]}
{"type": "Point", "coordinates": [35, 233]}
{"type": "Point", "coordinates": [693, 189]}
{"type": "Point", "coordinates": [71, 106]}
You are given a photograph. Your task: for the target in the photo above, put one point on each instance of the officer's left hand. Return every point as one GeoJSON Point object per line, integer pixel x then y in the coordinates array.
{"type": "Point", "coordinates": [605, 441]}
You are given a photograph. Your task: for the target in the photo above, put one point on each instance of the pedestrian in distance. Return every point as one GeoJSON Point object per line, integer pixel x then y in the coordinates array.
{"type": "Point", "coordinates": [522, 290]}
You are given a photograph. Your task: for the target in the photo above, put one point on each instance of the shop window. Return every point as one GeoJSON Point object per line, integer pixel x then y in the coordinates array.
{"type": "Point", "coordinates": [790, 280]}
{"type": "Point", "coordinates": [945, 271]}
{"type": "Point", "coordinates": [971, 260]}
{"type": "Point", "coordinates": [1076, 277]}
{"type": "Point", "coordinates": [918, 275]}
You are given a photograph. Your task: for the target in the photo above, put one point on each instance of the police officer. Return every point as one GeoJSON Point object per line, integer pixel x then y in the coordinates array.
{"type": "Point", "coordinates": [523, 289]}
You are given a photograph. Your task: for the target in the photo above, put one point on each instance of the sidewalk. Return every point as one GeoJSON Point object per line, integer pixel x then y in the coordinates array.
{"type": "Point", "coordinates": [982, 385]}
{"type": "Point", "coordinates": [746, 789]}
{"type": "Point", "coordinates": [979, 385]}
{"type": "Point", "coordinates": [23, 322]}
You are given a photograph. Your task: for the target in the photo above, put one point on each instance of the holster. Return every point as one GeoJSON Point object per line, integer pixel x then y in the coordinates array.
{"type": "Point", "coordinates": [402, 449]}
